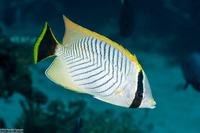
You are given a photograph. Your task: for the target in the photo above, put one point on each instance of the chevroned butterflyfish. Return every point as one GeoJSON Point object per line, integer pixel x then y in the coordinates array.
{"type": "Point", "coordinates": [90, 63]}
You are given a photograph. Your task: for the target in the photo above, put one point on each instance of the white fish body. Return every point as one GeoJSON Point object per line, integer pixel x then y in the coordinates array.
{"type": "Point", "coordinates": [89, 63]}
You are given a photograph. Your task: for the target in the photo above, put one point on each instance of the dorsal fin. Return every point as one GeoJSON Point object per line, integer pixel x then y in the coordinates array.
{"type": "Point", "coordinates": [74, 32]}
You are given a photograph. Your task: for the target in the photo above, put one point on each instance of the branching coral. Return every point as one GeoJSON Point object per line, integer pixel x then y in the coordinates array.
{"type": "Point", "coordinates": [14, 68]}
{"type": "Point", "coordinates": [108, 122]}
{"type": "Point", "coordinates": [55, 118]}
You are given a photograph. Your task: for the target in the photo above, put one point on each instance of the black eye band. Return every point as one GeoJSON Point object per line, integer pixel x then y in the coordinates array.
{"type": "Point", "coordinates": [139, 92]}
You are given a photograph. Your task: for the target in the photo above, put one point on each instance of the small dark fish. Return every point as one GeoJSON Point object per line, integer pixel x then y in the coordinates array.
{"type": "Point", "coordinates": [191, 70]}
{"type": "Point", "coordinates": [78, 126]}
{"type": "Point", "coordinates": [2, 123]}
{"type": "Point", "coordinates": [126, 19]}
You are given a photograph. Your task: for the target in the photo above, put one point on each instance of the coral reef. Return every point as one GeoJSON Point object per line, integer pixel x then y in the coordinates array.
{"type": "Point", "coordinates": [54, 118]}
{"type": "Point", "coordinates": [57, 117]}
{"type": "Point", "coordinates": [14, 68]}
{"type": "Point", "coordinates": [108, 122]}
{"type": "Point", "coordinates": [15, 76]}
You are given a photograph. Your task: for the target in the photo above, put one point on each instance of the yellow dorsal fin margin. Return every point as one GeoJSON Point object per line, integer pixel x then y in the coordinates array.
{"type": "Point", "coordinates": [74, 31]}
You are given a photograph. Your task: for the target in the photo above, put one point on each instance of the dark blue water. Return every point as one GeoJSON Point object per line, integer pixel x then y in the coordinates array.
{"type": "Point", "coordinates": [162, 33]}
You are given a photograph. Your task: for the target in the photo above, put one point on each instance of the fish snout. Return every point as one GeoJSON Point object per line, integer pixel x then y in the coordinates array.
{"type": "Point", "coordinates": [148, 103]}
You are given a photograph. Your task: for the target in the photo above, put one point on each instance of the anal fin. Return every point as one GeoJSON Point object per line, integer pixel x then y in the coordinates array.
{"type": "Point", "coordinates": [58, 73]}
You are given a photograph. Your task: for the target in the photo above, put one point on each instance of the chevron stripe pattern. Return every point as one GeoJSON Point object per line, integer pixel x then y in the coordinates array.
{"type": "Point", "coordinates": [96, 66]}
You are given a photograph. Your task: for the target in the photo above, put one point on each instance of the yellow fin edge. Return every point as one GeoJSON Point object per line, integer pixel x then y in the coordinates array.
{"type": "Point", "coordinates": [38, 43]}
{"type": "Point", "coordinates": [132, 57]}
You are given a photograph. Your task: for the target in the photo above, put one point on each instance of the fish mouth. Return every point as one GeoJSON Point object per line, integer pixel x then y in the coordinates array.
{"type": "Point", "coordinates": [148, 103]}
{"type": "Point", "coordinates": [152, 104]}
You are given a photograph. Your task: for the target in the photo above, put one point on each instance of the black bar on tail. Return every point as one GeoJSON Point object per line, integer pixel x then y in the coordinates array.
{"type": "Point", "coordinates": [45, 45]}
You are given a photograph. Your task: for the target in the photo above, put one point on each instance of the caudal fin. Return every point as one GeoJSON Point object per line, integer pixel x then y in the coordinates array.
{"type": "Point", "coordinates": [45, 45]}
